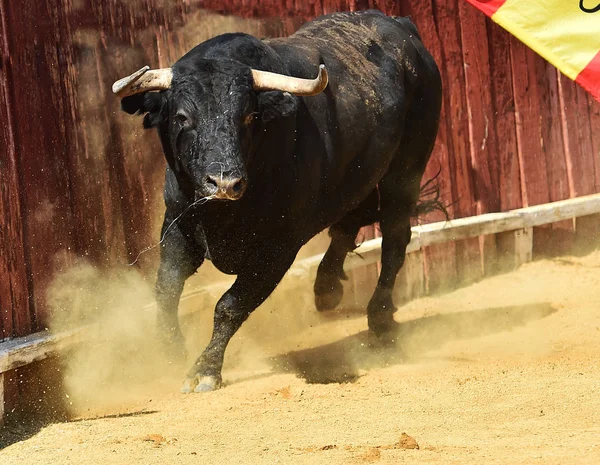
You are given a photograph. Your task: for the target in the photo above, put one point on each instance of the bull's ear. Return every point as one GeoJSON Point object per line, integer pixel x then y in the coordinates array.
{"type": "Point", "coordinates": [151, 103]}
{"type": "Point", "coordinates": [276, 104]}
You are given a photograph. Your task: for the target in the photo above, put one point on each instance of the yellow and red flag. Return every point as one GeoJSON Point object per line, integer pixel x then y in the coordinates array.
{"type": "Point", "coordinates": [564, 32]}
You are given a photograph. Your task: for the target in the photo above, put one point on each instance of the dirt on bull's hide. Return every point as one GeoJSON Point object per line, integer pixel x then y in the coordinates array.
{"type": "Point", "coordinates": [503, 371]}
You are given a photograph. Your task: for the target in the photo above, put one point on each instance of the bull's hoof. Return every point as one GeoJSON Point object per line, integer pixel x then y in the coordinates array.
{"type": "Point", "coordinates": [383, 329]}
{"type": "Point", "coordinates": [208, 383]}
{"type": "Point", "coordinates": [189, 384]}
{"type": "Point", "coordinates": [380, 314]}
{"type": "Point", "coordinates": [200, 384]}
{"type": "Point", "coordinates": [328, 296]}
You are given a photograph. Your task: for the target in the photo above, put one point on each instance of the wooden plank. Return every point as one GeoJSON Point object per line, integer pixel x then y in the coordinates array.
{"type": "Point", "coordinates": [578, 147]}
{"type": "Point", "coordinates": [42, 141]}
{"type": "Point", "coordinates": [95, 187]}
{"type": "Point", "coordinates": [25, 350]}
{"type": "Point", "coordinates": [524, 245]}
{"type": "Point", "coordinates": [492, 223]}
{"type": "Point", "coordinates": [504, 123]}
{"type": "Point", "coordinates": [468, 255]}
{"type": "Point", "coordinates": [410, 283]}
{"type": "Point", "coordinates": [557, 211]}
{"type": "Point", "coordinates": [455, 101]}
{"type": "Point", "coordinates": [471, 227]}
{"type": "Point", "coordinates": [441, 269]}
{"type": "Point", "coordinates": [532, 109]}
{"type": "Point", "coordinates": [423, 15]}
{"type": "Point", "coordinates": [302, 8]}
{"type": "Point", "coordinates": [506, 249]}
{"type": "Point", "coordinates": [366, 254]}
{"type": "Point", "coordinates": [36, 391]}
{"type": "Point", "coordinates": [581, 162]}
{"type": "Point", "coordinates": [553, 144]}
{"type": "Point", "coordinates": [464, 228]}
{"type": "Point", "coordinates": [594, 113]}
{"type": "Point", "coordinates": [515, 248]}
{"type": "Point", "coordinates": [440, 266]}
{"type": "Point", "coordinates": [587, 238]}
{"type": "Point", "coordinates": [484, 149]}
{"type": "Point", "coordinates": [587, 227]}
{"type": "Point", "coordinates": [558, 237]}
{"type": "Point", "coordinates": [532, 162]}
{"type": "Point", "coordinates": [15, 319]}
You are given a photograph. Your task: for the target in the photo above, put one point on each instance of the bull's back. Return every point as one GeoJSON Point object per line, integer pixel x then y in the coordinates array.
{"type": "Point", "coordinates": [376, 64]}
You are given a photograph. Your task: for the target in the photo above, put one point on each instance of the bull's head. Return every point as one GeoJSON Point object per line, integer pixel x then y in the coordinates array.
{"type": "Point", "coordinates": [207, 115]}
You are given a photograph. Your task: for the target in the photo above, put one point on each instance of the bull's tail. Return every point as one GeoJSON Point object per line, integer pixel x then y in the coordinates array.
{"type": "Point", "coordinates": [406, 22]}
{"type": "Point", "coordinates": [429, 199]}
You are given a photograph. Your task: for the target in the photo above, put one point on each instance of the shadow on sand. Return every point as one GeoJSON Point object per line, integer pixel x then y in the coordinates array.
{"type": "Point", "coordinates": [17, 431]}
{"type": "Point", "coordinates": [343, 360]}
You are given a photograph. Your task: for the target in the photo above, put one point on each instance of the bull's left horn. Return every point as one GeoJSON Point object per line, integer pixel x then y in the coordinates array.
{"type": "Point", "coordinates": [264, 80]}
{"type": "Point", "coordinates": [143, 80]}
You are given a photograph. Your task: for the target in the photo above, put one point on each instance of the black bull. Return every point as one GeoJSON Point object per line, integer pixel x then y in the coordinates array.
{"type": "Point", "coordinates": [255, 172]}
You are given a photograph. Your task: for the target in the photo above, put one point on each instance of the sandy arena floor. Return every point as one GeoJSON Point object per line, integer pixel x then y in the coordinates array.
{"type": "Point", "coordinates": [504, 371]}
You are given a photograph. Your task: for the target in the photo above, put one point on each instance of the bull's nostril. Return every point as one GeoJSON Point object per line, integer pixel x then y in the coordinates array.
{"type": "Point", "coordinates": [211, 181]}
{"type": "Point", "coordinates": [239, 186]}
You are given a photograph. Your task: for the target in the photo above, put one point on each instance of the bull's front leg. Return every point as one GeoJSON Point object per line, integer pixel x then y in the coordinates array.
{"type": "Point", "coordinates": [250, 289]}
{"type": "Point", "coordinates": [180, 257]}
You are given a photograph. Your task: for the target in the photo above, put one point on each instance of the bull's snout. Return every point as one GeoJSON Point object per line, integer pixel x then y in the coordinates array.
{"type": "Point", "coordinates": [229, 188]}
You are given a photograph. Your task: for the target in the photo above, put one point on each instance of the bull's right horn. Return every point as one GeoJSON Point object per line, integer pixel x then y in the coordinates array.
{"type": "Point", "coordinates": [143, 80]}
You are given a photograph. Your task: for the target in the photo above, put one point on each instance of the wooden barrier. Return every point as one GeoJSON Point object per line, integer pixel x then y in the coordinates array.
{"type": "Point", "coordinates": [518, 223]}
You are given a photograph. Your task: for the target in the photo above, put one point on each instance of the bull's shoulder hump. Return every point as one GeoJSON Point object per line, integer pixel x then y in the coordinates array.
{"type": "Point", "coordinates": [408, 25]}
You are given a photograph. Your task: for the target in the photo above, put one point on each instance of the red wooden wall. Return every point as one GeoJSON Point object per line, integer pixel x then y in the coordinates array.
{"type": "Point", "coordinates": [80, 179]}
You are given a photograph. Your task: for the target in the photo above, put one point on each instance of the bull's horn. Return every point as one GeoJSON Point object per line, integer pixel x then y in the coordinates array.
{"type": "Point", "coordinates": [263, 80]}
{"type": "Point", "coordinates": [143, 80]}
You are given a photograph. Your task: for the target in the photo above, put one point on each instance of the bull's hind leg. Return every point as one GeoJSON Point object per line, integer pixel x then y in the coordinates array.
{"type": "Point", "coordinates": [328, 287]}
{"type": "Point", "coordinates": [395, 228]}
{"type": "Point", "coordinates": [399, 192]}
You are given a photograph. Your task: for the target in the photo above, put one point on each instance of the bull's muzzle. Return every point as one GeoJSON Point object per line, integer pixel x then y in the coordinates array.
{"type": "Point", "coordinates": [225, 188]}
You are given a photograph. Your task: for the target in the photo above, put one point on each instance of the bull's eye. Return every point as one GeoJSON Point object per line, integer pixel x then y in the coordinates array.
{"type": "Point", "coordinates": [182, 118]}
{"type": "Point", "coordinates": [249, 118]}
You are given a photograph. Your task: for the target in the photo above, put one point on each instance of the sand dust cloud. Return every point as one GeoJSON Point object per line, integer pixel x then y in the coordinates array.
{"type": "Point", "coordinates": [120, 359]}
